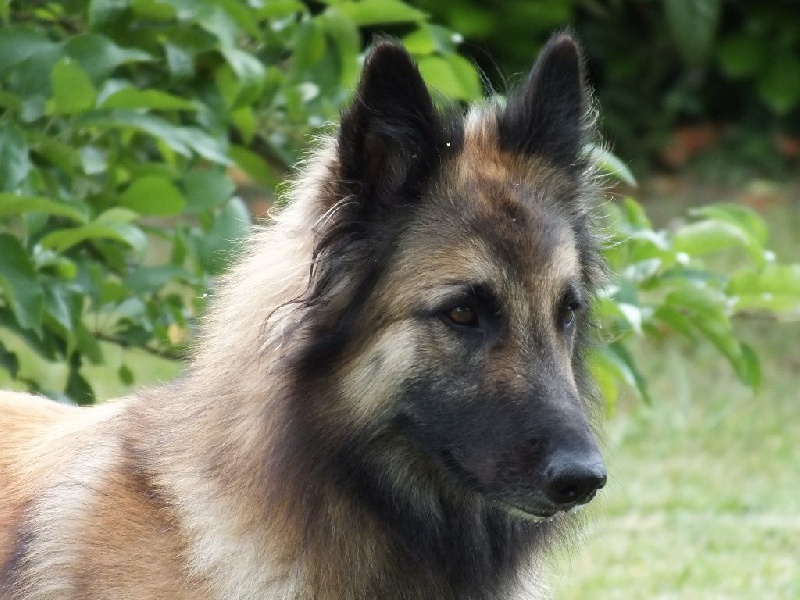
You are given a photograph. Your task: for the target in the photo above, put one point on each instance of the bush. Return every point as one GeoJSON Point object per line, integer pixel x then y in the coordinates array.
{"type": "Point", "coordinates": [123, 119]}
{"type": "Point", "coordinates": [691, 280]}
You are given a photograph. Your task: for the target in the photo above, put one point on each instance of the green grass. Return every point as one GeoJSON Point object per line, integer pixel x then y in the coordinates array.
{"type": "Point", "coordinates": [703, 500]}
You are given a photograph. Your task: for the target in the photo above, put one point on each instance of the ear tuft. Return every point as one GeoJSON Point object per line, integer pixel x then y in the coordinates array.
{"type": "Point", "coordinates": [385, 130]}
{"type": "Point", "coordinates": [547, 115]}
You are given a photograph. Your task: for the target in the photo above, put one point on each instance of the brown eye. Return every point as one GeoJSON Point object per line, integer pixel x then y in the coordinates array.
{"type": "Point", "coordinates": [463, 315]}
{"type": "Point", "coordinates": [567, 316]}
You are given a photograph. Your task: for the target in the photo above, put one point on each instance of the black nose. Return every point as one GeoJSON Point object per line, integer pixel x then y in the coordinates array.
{"type": "Point", "coordinates": [574, 481]}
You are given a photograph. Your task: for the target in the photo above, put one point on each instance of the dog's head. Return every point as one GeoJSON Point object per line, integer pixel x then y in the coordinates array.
{"type": "Point", "coordinates": [453, 273]}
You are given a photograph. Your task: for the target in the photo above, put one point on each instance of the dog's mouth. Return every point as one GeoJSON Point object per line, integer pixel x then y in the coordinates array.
{"type": "Point", "coordinates": [543, 513]}
{"type": "Point", "coordinates": [538, 514]}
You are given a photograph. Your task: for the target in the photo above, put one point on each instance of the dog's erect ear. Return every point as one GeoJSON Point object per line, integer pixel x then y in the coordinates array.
{"type": "Point", "coordinates": [389, 132]}
{"type": "Point", "coordinates": [547, 115]}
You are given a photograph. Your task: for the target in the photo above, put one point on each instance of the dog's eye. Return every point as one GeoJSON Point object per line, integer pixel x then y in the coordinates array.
{"type": "Point", "coordinates": [566, 317]}
{"type": "Point", "coordinates": [463, 315]}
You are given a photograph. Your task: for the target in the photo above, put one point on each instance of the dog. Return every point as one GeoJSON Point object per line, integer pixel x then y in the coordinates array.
{"type": "Point", "coordinates": [389, 396]}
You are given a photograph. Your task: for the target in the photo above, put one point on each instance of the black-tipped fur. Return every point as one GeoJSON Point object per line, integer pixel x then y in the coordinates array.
{"type": "Point", "coordinates": [547, 115]}
{"type": "Point", "coordinates": [391, 146]}
{"type": "Point", "coordinates": [391, 136]}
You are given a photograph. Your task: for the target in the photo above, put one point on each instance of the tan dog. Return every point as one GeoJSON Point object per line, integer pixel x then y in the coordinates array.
{"type": "Point", "coordinates": [389, 398]}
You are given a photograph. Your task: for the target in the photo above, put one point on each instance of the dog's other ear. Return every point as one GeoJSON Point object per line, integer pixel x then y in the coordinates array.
{"type": "Point", "coordinates": [547, 114]}
{"type": "Point", "coordinates": [388, 134]}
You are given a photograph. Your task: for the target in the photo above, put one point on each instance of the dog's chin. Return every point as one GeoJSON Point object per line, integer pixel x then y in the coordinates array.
{"type": "Point", "coordinates": [534, 514]}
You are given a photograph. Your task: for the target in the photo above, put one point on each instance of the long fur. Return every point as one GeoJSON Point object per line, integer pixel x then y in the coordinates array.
{"type": "Point", "coordinates": [310, 451]}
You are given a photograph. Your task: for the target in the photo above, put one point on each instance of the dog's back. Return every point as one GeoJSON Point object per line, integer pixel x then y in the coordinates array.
{"type": "Point", "coordinates": [75, 509]}
{"type": "Point", "coordinates": [37, 441]}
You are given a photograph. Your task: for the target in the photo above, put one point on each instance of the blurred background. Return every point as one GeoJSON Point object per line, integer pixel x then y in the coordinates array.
{"type": "Point", "coordinates": [674, 78]}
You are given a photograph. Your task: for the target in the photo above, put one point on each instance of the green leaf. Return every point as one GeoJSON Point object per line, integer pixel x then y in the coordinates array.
{"type": "Point", "coordinates": [693, 24]}
{"type": "Point", "coordinates": [712, 236]}
{"type": "Point", "coordinates": [207, 189]}
{"type": "Point", "coordinates": [309, 45]}
{"type": "Point", "coordinates": [14, 161]}
{"type": "Point", "coordinates": [677, 320]}
{"type": "Point", "coordinates": [707, 310]}
{"type": "Point", "coordinates": [78, 388]}
{"type": "Point", "coordinates": [94, 161]}
{"type": "Point", "coordinates": [11, 204]}
{"type": "Point", "coordinates": [62, 155]}
{"type": "Point", "coordinates": [29, 67]}
{"type": "Point", "coordinates": [9, 361]}
{"type": "Point", "coordinates": [73, 91]}
{"type": "Point", "coordinates": [18, 43]}
{"type": "Point", "coordinates": [99, 56]}
{"type": "Point", "coordinates": [183, 140]}
{"type": "Point", "coordinates": [148, 280]}
{"type": "Point", "coordinates": [215, 20]}
{"type": "Point", "coordinates": [255, 166]}
{"type": "Point", "coordinates": [381, 12]}
{"type": "Point", "coordinates": [741, 358]}
{"type": "Point", "coordinates": [132, 98]}
{"type": "Point", "coordinates": [635, 214]}
{"type": "Point", "coordinates": [64, 239]}
{"type": "Point", "coordinates": [431, 39]}
{"type": "Point", "coordinates": [605, 377]}
{"type": "Point", "coordinates": [200, 142]}
{"type": "Point", "coordinates": [156, 10]}
{"type": "Point", "coordinates": [63, 310]}
{"type": "Point", "coordinates": [776, 288]}
{"type": "Point", "coordinates": [18, 283]}
{"type": "Point", "coordinates": [742, 56]}
{"type": "Point", "coordinates": [153, 196]}
{"type": "Point", "coordinates": [609, 163]}
{"type": "Point", "coordinates": [245, 120]}
{"type": "Point", "coordinates": [347, 39]}
{"type": "Point", "coordinates": [179, 61]}
{"type": "Point", "coordinates": [125, 374]}
{"type": "Point", "coordinates": [250, 75]}
{"type": "Point", "coordinates": [450, 76]}
{"type": "Point", "coordinates": [467, 76]}
{"type": "Point", "coordinates": [10, 101]}
{"type": "Point", "coordinates": [617, 362]}
{"type": "Point", "coordinates": [116, 214]}
{"type": "Point", "coordinates": [632, 370]}
{"type": "Point", "coordinates": [750, 367]}
{"type": "Point", "coordinates": [736, 215]}
{"type": "Point", "coordinates": [420, 41]}
{"type": "Point", "coordinates": [49, 262]}
{"type": "Point", "coordinates": [230, 225]}
{"type": "Point", "coordinates": [779, 86]}
{"type": "Point", "coordinates": [278, 9]}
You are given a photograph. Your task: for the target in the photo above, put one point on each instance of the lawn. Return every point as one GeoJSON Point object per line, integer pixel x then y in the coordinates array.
{"type": "Point", "coordinates": [703, 500]}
